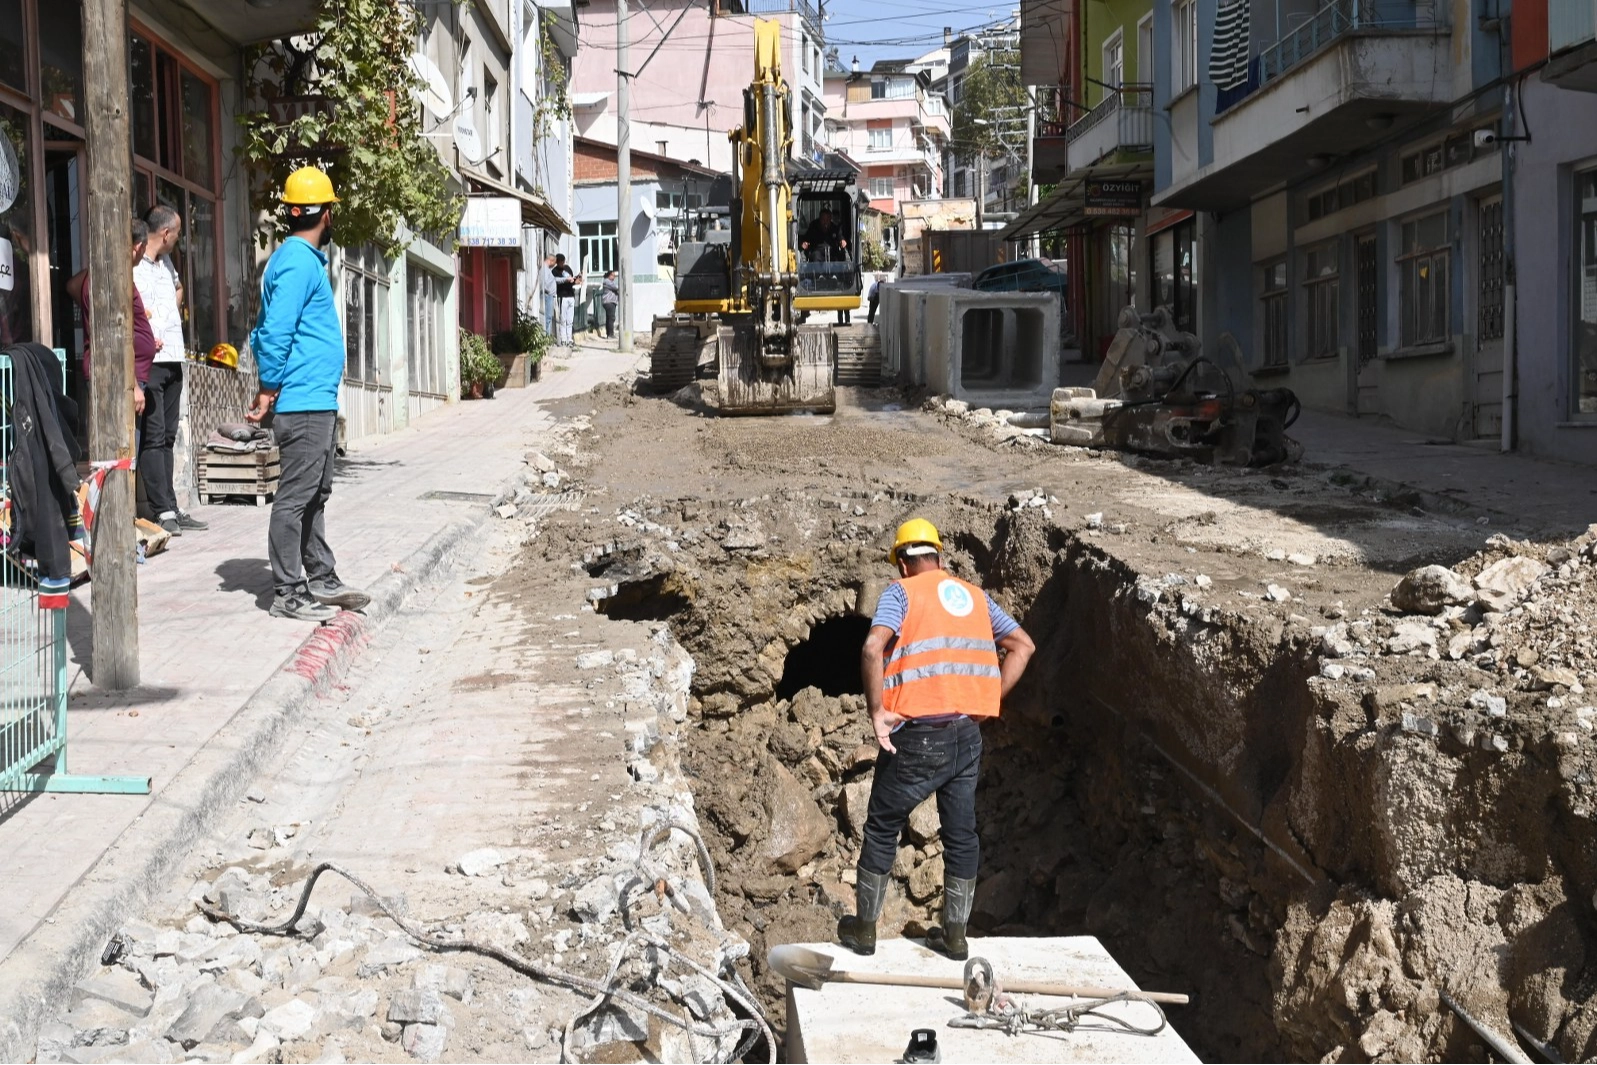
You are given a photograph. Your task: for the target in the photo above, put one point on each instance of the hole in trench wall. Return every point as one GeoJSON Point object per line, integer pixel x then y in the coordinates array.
{"type": "Point", "coordinates": [654, 598]}
{"type": "Point", "coordinates": [828, 659]}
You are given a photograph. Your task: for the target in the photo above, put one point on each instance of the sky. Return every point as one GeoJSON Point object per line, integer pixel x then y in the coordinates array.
{"type": "Point", "coordinates": [902, 29]}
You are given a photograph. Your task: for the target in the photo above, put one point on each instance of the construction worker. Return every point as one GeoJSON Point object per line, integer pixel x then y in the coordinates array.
{"type": "Point", "coordinates": [299, 349]}
{"type": "Point", "coordinates": [935, 664]}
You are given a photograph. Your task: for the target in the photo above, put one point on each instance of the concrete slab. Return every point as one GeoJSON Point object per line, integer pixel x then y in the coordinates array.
{"type": "Point", "coordinates": [992, 349]}
{"type": "Point", "coordinates": [872, 1023]}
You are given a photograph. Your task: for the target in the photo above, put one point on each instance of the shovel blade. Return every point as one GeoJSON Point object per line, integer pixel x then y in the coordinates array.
{"type": "Point", "coordinates": [800, 965]}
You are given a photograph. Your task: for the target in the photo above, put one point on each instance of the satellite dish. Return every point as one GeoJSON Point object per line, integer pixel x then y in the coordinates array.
{"type": "Point", "coordinates": [467, 142]}
{"type": "Point", "coordinates": [434, 93]}
{"type": "Point", "coordinates": [646, 205]}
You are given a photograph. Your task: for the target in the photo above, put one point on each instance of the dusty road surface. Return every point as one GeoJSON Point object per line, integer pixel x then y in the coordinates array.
{"type": "Point", "coordinates": [1323, 808]}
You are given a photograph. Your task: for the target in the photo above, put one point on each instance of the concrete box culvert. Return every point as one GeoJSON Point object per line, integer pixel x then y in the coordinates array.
{"type": "Point", "coordinates": [992, 349]}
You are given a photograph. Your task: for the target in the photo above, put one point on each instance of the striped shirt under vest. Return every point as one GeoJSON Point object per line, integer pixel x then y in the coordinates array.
{"type": "Point", "coordinates": [945, 660]}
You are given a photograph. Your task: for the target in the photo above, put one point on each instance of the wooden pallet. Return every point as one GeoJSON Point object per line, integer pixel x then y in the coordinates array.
{"type": "Point", "coordinates": [254, 473]}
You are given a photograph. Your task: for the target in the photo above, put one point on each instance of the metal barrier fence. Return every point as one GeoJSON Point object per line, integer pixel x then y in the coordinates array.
{"type": "Point", "coordinates": [33, 665]}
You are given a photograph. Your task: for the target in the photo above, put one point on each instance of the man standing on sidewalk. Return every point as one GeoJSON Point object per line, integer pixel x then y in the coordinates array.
{"type": "Point", "coordinates": [546, 290]}
{"type": "Point", "coordinates": [299, 349]}
{"type": "Point", "coordinates": [932, 672]}
{"type": "Point", "coordinates": [566, 282]}
{"type": "Point", "coordinates": [158, 285]}
{"type": "Point", "coordinates": [610, 298]}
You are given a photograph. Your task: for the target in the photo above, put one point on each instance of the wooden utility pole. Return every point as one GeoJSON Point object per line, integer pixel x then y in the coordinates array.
{"type": "Point", "coordinates": [114, 590]}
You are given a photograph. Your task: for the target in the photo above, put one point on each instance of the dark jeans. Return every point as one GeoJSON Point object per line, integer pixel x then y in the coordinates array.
{"type": "Point", "coordinates": [844, 317]}
{"type": "Point", "coordinates": [945, 759]}
{"type": "Point", "coordinates": [297, 542]}
{"type": "Point", "coordinates": [163, 401]}
{"type": "Point", "coordinates": [609, 319]}
{"type": "Point", "coordinates": [870, 315]}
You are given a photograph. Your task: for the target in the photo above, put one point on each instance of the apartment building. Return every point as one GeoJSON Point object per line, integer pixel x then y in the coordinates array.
{"type": "Point", "coordinates": [889, 122]}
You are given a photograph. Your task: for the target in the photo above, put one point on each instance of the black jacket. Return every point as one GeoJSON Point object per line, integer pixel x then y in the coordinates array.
{"type": "Point", "coordinates": [42, 466]}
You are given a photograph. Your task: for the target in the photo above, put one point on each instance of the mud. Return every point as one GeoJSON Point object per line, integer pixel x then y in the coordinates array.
{"type": "Point", "coordinates": [1316, 854]}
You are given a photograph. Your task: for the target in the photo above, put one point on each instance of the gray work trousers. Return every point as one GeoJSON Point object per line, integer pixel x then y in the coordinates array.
{"type": "Point", "coordinates": [298, 540]}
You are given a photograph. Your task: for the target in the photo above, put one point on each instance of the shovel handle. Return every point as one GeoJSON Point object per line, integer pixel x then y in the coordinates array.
{"type": "Point", "coordinates": [1019, 987]}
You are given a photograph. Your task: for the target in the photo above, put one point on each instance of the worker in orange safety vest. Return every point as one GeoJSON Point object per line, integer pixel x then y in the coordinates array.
{"type": "Point", "coordinates": [940, 656]}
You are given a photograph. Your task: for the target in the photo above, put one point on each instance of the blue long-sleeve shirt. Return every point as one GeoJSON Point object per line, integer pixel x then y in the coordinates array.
{"type": "Point", "coordinates": [298, 339]}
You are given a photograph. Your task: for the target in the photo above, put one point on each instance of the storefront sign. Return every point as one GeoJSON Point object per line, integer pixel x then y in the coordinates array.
{"type": "Point", "coordinates": [10, 174]}
{"type": "Point", "coordinates": [286, 109]}
{"type": "Point", "coordinates": [8, 276]}
{"type": "Point", "coordinates": [491, 222]}
{"type": "Point", "coordinates": [1113, 198]}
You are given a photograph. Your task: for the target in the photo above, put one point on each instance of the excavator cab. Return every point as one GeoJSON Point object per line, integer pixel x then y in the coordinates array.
{"type": "Point", "coordinates": [826, 236]}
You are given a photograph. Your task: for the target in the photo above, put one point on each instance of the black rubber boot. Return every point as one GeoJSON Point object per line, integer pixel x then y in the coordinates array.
{"type": "Point", "coordinates": [858, 932]}
{"type": "Point", "coordinates": [958, 898]}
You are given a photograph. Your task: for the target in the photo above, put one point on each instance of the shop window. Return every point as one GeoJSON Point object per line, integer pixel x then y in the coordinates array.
{"type": "Point", "coordinates": [1175, 273]}
{"type": "Point", "coordinates": [196, 125]}
{"type": "Point", "coordinates": [1422, 268]}
{"type": "Point", "coordinates": [365, 313]}
{"type": "Point", "coordinates": [13, 58]}
{"type": "Point", "coordinates": [16, 229]}
{"type": "Point", "coordinates": [1322, 289]}
{"type": "Point", "coordinates": [424, 314]}
{"type": "Point", "coordinates": [1274, 305]}
{"type": "Point", "coordinates": [598, 248]}
{"type": "Point", "coordinates": [141, 93]}
{"type": "Point", "coordinates": [61, 59]}
{"type": "Point", "coordinates": [1585, 346]}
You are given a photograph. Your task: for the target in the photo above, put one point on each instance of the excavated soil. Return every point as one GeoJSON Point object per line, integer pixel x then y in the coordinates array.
{"type": "Point", "coordinates": [1233, 760]}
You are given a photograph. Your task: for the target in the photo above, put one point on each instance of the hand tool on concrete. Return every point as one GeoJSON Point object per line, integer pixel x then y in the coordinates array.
{"type": "Point", "coordinates": [811, 969]}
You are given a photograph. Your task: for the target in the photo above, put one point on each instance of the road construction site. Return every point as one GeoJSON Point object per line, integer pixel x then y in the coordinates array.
{"type": "Point", "coordinates": [1340, 803]}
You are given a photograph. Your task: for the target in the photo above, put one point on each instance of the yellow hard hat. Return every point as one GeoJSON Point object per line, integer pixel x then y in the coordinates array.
{"type": "Point", "coordinates": [223, 355]}
{"type": "Point", "coordinates": [308, 185]}
{"type": "Point", "coordinates": [915, 531]}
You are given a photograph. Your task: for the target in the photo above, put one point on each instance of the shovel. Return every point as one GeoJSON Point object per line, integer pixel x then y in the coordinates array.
{"type": "Point", "coordinates": [810, 968]}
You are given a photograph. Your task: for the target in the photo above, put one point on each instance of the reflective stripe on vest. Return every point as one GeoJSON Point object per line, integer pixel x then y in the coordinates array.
{"type": "Point", "coordinates": [945, 660]}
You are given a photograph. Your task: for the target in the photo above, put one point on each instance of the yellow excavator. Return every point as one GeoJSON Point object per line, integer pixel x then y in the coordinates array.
{"type": "Point", "coordinates": [746, 264]}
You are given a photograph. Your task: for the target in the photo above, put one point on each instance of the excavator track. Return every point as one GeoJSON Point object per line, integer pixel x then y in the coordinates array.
{"type": "Point", "coordinates": [679, 348]}
{"type": "Point", "coordinates": [803, 386]}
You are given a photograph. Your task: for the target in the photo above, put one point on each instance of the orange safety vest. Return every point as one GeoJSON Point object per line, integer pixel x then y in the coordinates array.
{"type": "Point", "coordinates": [945, 660]}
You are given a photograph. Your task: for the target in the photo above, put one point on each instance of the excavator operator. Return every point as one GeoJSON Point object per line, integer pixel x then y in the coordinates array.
{"type": "Point", "coordinates": [932, 671]}
{"type": "Point", "coordinates": [824, 232]}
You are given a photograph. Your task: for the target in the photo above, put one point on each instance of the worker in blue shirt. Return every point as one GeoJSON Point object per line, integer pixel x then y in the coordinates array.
{"type": "Point", "coordinates": [299, 351]}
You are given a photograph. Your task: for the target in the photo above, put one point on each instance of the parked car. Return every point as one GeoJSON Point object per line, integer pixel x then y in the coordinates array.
{"type": "Point", "coordinates": [1031, 275]}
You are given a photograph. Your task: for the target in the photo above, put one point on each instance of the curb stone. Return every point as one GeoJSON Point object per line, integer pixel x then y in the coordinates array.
{"type": "Point", "coordinates": [40, 973]}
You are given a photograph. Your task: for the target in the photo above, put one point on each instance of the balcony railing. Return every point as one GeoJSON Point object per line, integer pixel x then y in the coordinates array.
{"type": "Point", "coordinates": [805, 8]}
{"type": "Point", "coordinates": [1336, 20]}
{"type": "Point", "coordinates": [1123, 120]}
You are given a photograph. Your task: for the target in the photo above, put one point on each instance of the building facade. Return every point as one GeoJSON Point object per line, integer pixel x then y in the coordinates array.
{"type": "Point", "coordinates": [890, 123]}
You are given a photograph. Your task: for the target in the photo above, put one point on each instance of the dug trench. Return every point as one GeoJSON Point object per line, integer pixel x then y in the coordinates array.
{"type": "Point", "coordinates": [1177, 775]}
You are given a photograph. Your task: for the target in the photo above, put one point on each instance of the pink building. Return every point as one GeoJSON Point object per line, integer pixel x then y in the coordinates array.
{"type": "Point", "coordinates": [889, 122]}
{"type": "Point", "coordinates": [690, 93]}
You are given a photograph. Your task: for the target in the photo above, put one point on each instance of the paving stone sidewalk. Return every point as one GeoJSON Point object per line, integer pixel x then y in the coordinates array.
{"type": "Point", "coordinates": [207, 644]}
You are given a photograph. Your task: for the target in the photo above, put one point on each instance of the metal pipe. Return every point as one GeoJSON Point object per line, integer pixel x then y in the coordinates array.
{"type": "Point", "coordinates": [1500, 1046]}
{"type": "Point", "coordinates": [1510, 282]}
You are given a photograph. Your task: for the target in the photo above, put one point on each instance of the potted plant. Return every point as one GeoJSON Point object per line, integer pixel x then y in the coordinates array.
{"type": "Point", "coordinates": [479, 369]}
{"type": "Point", "coordinates": [520, 350]}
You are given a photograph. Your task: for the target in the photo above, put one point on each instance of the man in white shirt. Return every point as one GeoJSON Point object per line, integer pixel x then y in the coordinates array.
{"type": "Point", "coordinates": [162, 292]}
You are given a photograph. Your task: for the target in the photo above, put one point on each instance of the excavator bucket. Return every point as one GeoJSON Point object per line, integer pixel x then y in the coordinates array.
{"type": "Point", "coordinates": [803, 385]}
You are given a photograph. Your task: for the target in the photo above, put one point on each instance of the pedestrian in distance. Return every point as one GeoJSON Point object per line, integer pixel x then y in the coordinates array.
{"type": "Point", "coordinates": [566, 282]}
{"type": "Point", "coordinates": [546, 288]}
{"type": "Point", "coordinates": [162, 292]}
{"type": "Point", "coordinates": [299, 350]}
{"type": "Point", "coordinates": [145, 342]}
{"type": "Point", "coordinates": [875, 297]}
{"type": "Point", "coordinates": [610, 297]}
{"type": "Point", "coordinates": [939, 658]}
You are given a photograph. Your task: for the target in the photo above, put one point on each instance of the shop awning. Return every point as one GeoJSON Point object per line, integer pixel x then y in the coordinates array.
{"type": "Point", "coordinates": [535, 210]}
{"type": "Point", "coordinates": [1066, 206]}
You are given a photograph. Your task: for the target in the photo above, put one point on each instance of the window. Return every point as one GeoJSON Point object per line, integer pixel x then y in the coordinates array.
{"type": "Point", "coordinates": [897, 88]}
{"type": "Point", "coordinates": [365, 313]}
{"type": "Point", "coordinates": [1114, 59]}
{"type": "Point", "coordinates": [1145, 50]}
{"type": "Point", "coordinates": [490, 115]}
{"type": "Point", "coordinates": [1175, 272]}
{"type": "Point", "coordinates": [881, 188]}
{"type": "Point", "coordinates": [881, 138]}
{"type": "Point", "coordinates": [1274, 301]}
{"type": "Point", "coordinates": [1323, 299]}
{"type": "Point", "coordinates": [804, 50]}
{"type": "Point", "coordinates": [1422, 270]}
{"type": "Point", "coordinates": [1342, 195]}
{"type": "Point", "coordinates": [598, 254]}
{"type": "Point", "coordinates": [1184, 51]}
{"type": "Point", "coordinates": [1585, 262]}
{"type": "Point", "coordinates": [424, 310]}
{"type": "Point", "coordinates": [1456, 150]}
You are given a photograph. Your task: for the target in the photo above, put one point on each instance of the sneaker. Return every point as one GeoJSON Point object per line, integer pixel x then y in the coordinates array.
{"type": "Point", "coordinates": [300, 608]}
{"type": "Point", "coordinates": [172, 525]}
{"type": "Point", "coordinates": [189, 522]}
{"type": "Point", "coordinates": [335, 592]}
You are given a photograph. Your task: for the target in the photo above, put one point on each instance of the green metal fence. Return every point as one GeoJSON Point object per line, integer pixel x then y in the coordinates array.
{"type": "Point", "coordinates": [33, 666]}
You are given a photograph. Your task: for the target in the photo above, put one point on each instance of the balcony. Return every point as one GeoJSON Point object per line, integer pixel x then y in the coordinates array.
{"type": "Point", "coordinates": [1331, 86]}
{"type": "Point", "coordinates": [805, 9]}
{"type": "Point", "coordinates": [1572, 44]}
{"type": "Point", "coordinates": [1122, 123]}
